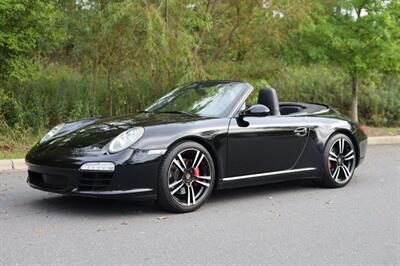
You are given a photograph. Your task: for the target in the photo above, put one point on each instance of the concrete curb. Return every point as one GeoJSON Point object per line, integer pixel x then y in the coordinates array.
{"type": "Point", "coordinates": [384, 140]}
{"type": "Point", "coordinates": [19, 164]}
{"type": "Point", "coordinates": [14, 164]}
{"type": "Point", "coordinates": [5, 165]}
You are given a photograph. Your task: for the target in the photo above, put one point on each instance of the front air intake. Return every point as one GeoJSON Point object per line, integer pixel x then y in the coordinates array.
{"type": "Point", "coordinates": [92, 181]}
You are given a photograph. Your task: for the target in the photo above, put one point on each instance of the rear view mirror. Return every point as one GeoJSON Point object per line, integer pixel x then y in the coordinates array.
{"type": "Point", "coordinates": [258, 110]}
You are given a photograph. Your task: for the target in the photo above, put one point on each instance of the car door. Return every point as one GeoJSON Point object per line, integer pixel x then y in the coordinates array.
{"type": "Point", "coordinates": [268, 144]}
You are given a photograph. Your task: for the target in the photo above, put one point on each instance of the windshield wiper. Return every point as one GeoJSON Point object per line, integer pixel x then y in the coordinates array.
{"type": "Point", "coordinates": [177, 112]}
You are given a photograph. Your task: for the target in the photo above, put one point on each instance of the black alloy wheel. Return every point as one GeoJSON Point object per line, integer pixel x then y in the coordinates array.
{"type": "Point", "coordinates": [186, 177]}
{"type": "Point", "coordinates": [339, 162]}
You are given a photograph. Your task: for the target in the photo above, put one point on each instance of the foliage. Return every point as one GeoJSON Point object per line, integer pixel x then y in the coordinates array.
{"type": "Point", "coordinates": [359, 36]}
{"type": "Point", "coordinates": [379, 104]}
{"type": "Point", "coordinates": [28, 28]}
{"type": "Point", "coordinates": [65, 60]}
{"type": "Point", "coordinates": [16, 144]}
{"type": "Point", "coordinates": [10, 111]}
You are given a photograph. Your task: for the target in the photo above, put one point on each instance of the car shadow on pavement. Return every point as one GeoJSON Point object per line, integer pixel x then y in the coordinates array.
{"type": "Point", "coordinates": [82, 206]}
{"type": "Point", "coordinates": [274, 189]}
{"type": "Point", "coordinates": [73, 205]}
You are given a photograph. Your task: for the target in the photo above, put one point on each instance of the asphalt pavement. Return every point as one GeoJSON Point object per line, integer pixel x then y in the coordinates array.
{"type": "Point", "coordinates": [288, 223]}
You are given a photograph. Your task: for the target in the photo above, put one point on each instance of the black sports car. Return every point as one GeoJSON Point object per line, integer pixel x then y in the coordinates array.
{"type": "Point", "coordinates": [198, 137]}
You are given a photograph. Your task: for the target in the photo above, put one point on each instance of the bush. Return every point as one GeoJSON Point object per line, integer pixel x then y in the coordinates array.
{"type": "Point", "coordinates": [379, 101]}
{"type": "Point", "coordinates": [10, 112]}
{"type": "Point", "coordinates": [60, 93]}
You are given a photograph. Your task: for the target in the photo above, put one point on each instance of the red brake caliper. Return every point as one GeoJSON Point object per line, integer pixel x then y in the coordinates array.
{"type": "Point", "coordinates": [329, 164]}
{"type": "Point", "coordinates": [196, 171]}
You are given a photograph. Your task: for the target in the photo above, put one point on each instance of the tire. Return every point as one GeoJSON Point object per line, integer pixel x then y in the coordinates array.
{"type": "Point", "coordinates": [339, 162]}
{"type": "Point", "coordinates": [186, 177]}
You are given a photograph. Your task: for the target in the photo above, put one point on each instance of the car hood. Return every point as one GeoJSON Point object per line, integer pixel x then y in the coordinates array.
{"type": "Point", "coordinates": [98, 132]}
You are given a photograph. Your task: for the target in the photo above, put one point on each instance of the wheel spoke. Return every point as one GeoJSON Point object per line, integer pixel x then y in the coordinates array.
{"type": "Point", "coordinates": [176, 162]}
{"type": "Point", "coordinates": [348, 154]}
{"type": "Point", "coordinates": [332, 159]}
{"type": "Point", "coordinates": [188, 195]}
{"type": "Point", "coordinates": [346, 171]}
{"type": "Point", "coordinates": [336, 173]}
{"type": "Point", "coordinates": [204, 177]}
{"type": "Point", "coordinates": [195, 159]}
{"type": "Point", "coordinates": [182, 161]}
{"type": "Point", "coordinates": [176, 189]}
{"type": "Point", "coordinates": [333, 154]}
{"type": "Point", "coordinates": [202, 183]}
{"type": "Point", "coordinates": [199, 162]}
{"type": "Point", "coordinates": [341, 146]}
{"type": "Point", "coordinates": [193, 195]}
{"type": "Point", "coordinates": [175, 183]}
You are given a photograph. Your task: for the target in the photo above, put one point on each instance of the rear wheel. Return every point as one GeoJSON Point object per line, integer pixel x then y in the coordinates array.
{"type": "Point", "coordinates": [186, 177]}
{"type": "Point", "coordinates": [339, 162]}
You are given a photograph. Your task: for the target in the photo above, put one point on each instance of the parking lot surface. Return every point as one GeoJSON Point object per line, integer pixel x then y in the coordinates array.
{"type": "Point", "coordinates": [288, 223]}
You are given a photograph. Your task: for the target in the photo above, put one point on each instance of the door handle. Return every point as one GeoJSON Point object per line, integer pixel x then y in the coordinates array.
{"type": "Point", "coordinates": [300, 131]}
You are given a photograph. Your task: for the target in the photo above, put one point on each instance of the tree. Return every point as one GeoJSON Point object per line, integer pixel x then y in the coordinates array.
{"type": "Point", "coordinates": [27, 29]}
{"type": "Point", "coordinates": [359, 36]}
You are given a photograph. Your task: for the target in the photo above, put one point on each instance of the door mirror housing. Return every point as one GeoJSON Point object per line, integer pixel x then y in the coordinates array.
{"type": "Point", "coordinates": [258, 110]}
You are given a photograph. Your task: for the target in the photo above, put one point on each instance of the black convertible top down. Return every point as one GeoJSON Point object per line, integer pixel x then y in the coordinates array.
{"type": "Point", "coordinates": [287, 108]}
{"type": "Point", "coordinates": [198, 137]}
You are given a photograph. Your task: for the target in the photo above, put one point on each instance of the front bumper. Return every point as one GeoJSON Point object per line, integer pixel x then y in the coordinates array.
{"type": "Point", "coordinates": [135, 180]}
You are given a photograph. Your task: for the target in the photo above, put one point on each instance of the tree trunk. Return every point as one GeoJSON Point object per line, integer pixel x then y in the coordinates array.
{"type": "Point", "coordinates": [94, 80]}
{"type": "Point", "coordinates": [110, 98]}
{"type": "Point", "coordinates": [354, 102]}
{"type": "Point", "coordinates": [166, 13]}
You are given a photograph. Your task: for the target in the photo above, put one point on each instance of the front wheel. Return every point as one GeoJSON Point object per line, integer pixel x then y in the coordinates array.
{"type": "Point", "coordinates": [186, 177]}
{"type": "Point", "coordinates": [339, 162]}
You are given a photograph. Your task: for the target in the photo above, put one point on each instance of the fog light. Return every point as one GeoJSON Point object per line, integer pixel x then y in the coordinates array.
{"type": "Point", "coordinates": [98, 166]}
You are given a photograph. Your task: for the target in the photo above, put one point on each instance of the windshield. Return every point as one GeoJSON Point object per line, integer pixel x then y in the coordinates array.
{"type": "Point", "coordinates": [216, 99]}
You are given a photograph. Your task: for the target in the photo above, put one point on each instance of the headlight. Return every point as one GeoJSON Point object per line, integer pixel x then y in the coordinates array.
{"type": "Point", "coordinates": [125, 139]}
{"type": "Point", "coordinates": [52, 132]}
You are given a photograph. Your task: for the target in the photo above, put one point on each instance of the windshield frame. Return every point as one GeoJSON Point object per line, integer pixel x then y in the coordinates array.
{"type": "Point", "coordinates": [230, 110]}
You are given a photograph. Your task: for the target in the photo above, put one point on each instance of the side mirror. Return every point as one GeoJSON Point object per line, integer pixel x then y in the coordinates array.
{"type": "Point", "coordinates": [258, 110]}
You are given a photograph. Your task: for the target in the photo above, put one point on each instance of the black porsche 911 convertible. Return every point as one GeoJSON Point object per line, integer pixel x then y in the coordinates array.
{"type": "Point", "coordinates": [199, 137]}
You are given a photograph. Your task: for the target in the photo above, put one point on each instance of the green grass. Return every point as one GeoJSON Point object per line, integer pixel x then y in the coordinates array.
{"type": "Point", "coordinates": [383, 131]}
{"type": "Point", "coordinates": [12, 154]}
{"type": "Point", "coordinates": [16, 145]}
{"type": "Point", "coordinates": [393, 130]}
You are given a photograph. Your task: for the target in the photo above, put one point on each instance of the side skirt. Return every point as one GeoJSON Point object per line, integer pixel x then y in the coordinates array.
{"type": "Point", "coordinates": [266, 178]}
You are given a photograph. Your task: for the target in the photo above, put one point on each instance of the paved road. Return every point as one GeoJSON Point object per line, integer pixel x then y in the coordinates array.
{"type": "Point", "coordinates": [291, 223]}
